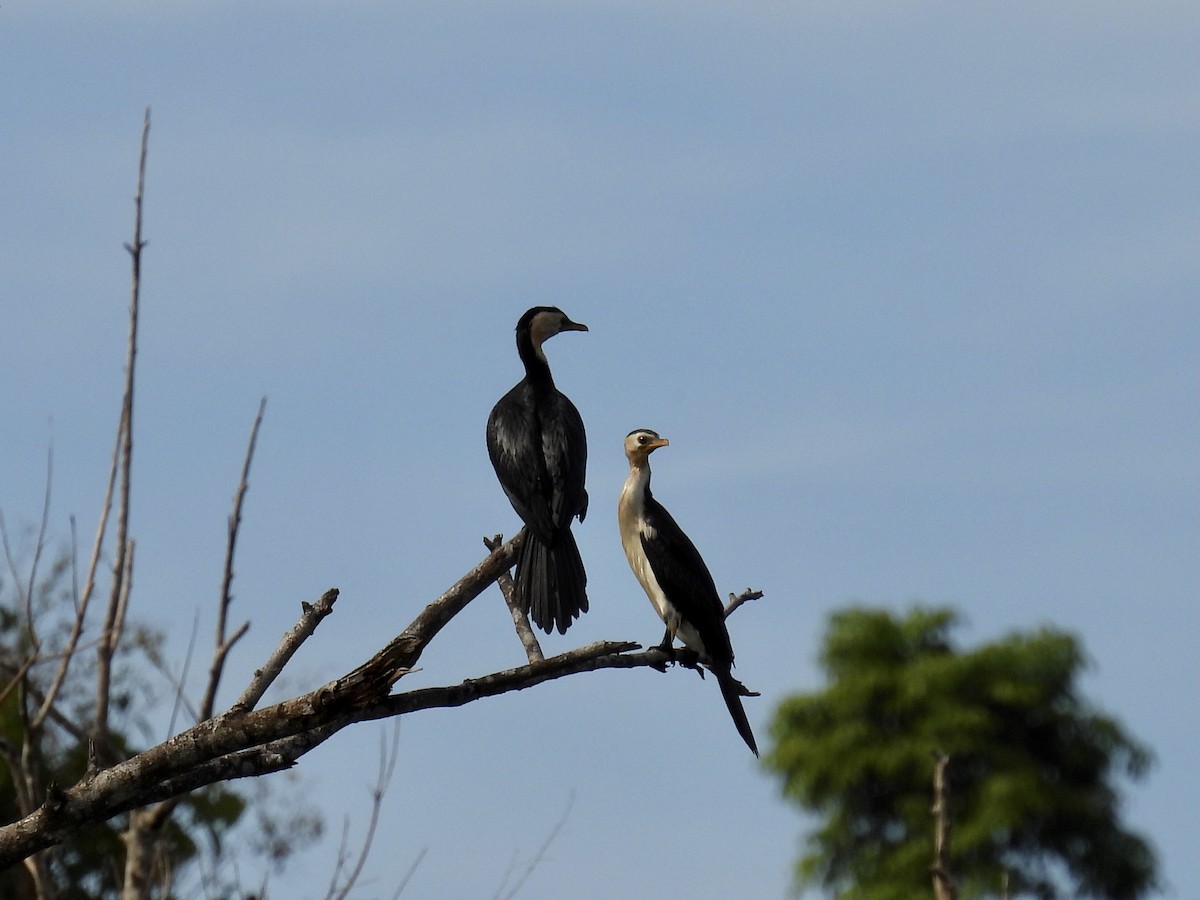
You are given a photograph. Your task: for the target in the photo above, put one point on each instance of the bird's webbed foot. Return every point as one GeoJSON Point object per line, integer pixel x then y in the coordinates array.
{"type": "Point", "coordinates": [667, 651]}
{"type": "Point", "coordinates": [684, 656]}
{"type": "Point", "coordinates": [689, 659]}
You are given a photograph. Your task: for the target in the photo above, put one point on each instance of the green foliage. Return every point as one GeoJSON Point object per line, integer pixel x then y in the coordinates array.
{"type": "Point", "coordinates": [1031, 776]}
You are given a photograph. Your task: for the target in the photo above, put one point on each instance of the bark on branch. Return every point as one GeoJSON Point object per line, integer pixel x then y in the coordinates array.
{"type": "Point", "coordinates": [248, 742]}
{"type": "Point", "coordinates": [943, 884]}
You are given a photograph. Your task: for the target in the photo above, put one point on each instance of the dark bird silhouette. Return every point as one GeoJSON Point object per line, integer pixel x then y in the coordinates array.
{"type": "Point", "coordinates": [538, 447]}
{"type": "Point", "coordinates": [675, 578]}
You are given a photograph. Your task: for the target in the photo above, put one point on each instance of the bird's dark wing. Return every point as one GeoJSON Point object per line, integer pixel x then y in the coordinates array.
{"type": "Point", "coordinates": [686, 581]}
{"type": "Point", "coordinates": [539, 451]}
{"type": "Point", "coordinates": [514, 447]}
{"type": "Point", "coordinates": [564, 448]}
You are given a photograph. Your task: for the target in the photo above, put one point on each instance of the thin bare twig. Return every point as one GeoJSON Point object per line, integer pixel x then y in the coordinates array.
{"type": "Point", "coordinates": [387, 768]}
{"type": "Point", "coordinates": [409, 874]}
{"type": "Point", "coordinates": [18, 677]}
{"type": "Point", "coordinates": [533, 650]}
{"type": "Point", "coordinates": [342, 859]}
{"type": "Point", "coordinates": [223, 644]}
{"type": "Point", "coordinates": [178, 681]}
{"type": "Point", "coordinates": [38, 547]}
{"type": "Point", "coordinates": [26, 768]}
{"type": "Point", "coordinates": [310, 618]}
{"type": "Point", "coordinates": [146, 822]}
{"type": "Point", "coordinates": [739, 599]}
{"type": "Point", "coordinates": [26, 590]}
{"type": "Point", "coordinates": [72, 644]}
{"type": "Point", "coordinates": [111, 633]}
{"type": "Point", "coordinates": [537, 858]}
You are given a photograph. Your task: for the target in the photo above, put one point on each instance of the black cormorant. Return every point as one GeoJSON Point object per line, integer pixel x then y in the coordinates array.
{"type": "Point", "coordinates": [675, 578]}
{"type": "Point", "coordinates": [537, 445]}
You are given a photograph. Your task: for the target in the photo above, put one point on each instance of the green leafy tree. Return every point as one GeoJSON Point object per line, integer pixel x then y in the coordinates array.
{"type": "Point", "coordinates": [1032, 792]}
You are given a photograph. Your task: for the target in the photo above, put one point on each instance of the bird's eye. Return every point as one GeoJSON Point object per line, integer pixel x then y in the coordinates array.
{"type": "Point", "coordinates": [642, 439]}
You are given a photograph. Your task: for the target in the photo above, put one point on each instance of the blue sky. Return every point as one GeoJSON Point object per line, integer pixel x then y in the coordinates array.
{"type": "Point", "coordinates": [912, 289]}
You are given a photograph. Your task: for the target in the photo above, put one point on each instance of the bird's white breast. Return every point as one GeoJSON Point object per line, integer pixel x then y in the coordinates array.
{"type": "Point", "coordinates": [631, 514]}
{"type": "Point", "coordinates": [631, 509]}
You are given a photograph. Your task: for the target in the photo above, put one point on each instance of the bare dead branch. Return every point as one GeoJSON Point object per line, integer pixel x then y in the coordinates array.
{"type": "Point", "coordinates": [342, 859]}
{"type": "Point", "coordinates": [239, 744]}
{"type": "Point", "coordinates": [412, 869]}
{"type": "Point", "coordinates": [139, 856]}
{"type": "Point", "coordinates": [537, 857]}
{"type": "Point", "coordinates": [147, 822]}
{"type": "Point", "coordinates": [60, 675]}
{"type": "Point", "coordinates": [943, 884]}
{"type": "Point", "coordinates": [178, 681]}
{"type": "Point", "coordinates": [12, 759]}
{"type": "Point", "coordinates": [223, 644]}
{"type": "Point", "coordinates": [387, 768]}
{"type": "Point", "coordinates": [376, 677]}
{"type": "Point", "coordinates": [738, 600]}
{"type": "Point", "coordinates": [310, 618]}
{"type": "Point", "coordinates": [119, 594]}
{"type": "Point", "coordinates": [38, 547]}
{"type": "Point", "coordinates": [533, 650]}
{"type": "Point", "coordinates": [126, 591]}
{"type": "Point", "coordinates": [26, 587]}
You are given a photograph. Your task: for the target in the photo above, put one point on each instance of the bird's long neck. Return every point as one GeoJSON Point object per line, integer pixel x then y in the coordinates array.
{"type": "Point", "coordinates": [537, 369]}
{"type": "Point", "coordinates": [634, 494]}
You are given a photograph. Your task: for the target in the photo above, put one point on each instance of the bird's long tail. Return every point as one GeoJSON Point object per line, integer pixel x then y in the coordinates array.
{"type": "Point", "coordinates": [733, 691]}
{"type": "Point", "coordinates": [551, 582]}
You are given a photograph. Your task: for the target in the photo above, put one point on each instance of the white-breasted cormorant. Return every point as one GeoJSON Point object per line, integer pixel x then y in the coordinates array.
{"type": "Point", "coordinates": [675, 578]}
{"type": "Point", "coordinates": [538, 447]}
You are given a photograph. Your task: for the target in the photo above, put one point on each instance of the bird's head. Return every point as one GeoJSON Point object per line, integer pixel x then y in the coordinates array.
{"type": "Point", "coordinates": [640, 443]}
{"type": "Point", "coordinates": [544, 322]}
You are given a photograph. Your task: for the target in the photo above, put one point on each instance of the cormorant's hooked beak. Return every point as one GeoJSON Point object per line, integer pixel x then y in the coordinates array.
{"type": "Point", "coordinates": [568, 325]}
{"type": "Point", "coordinates": [656, 443]}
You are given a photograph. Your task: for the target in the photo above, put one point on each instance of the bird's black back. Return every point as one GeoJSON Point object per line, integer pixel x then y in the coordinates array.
{"type": "Point", "coordinates": [686, 581]}
{"type": "Point", "coordinates": [538, 447]}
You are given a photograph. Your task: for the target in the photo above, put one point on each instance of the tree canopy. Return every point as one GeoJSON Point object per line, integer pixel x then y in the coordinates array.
{"type": "Point", "coordinates": [1033, 773]}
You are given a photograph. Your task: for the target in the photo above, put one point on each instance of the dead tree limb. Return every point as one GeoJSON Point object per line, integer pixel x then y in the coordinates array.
{"type": "Point", "coordinates": [739, 599]}
{"type": "Point", "coordinates": [311, 615]}
{"type": "Point", "coordinates": [943, 884]}
{"type": "Point", "coordinates": [533, 650]}
{"type": "Point", "coordinates": [225, 643]}
{"type": "Point", "coordinates": [242, 744]}
{"type": "Point", "coordinates": [111, 634]}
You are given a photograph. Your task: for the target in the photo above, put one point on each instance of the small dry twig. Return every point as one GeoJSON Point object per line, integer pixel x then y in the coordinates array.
{"type": "Point", "coordinates": [737, 600]}
{"type": "Point", "coordinates": [533, 650]}
{"type": "Point", "coordinates": [412, 869]}
{"type": "Point", "coordinates": [536, 859]}
{"type": "Point", "coordinates": [223, 644]}
{"type": "Point", "coordinates": [387, 768]}
{"type": "Point", "coordinates": [113, 620]}
{"type": "Point", "coordinates": [310, 618]}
